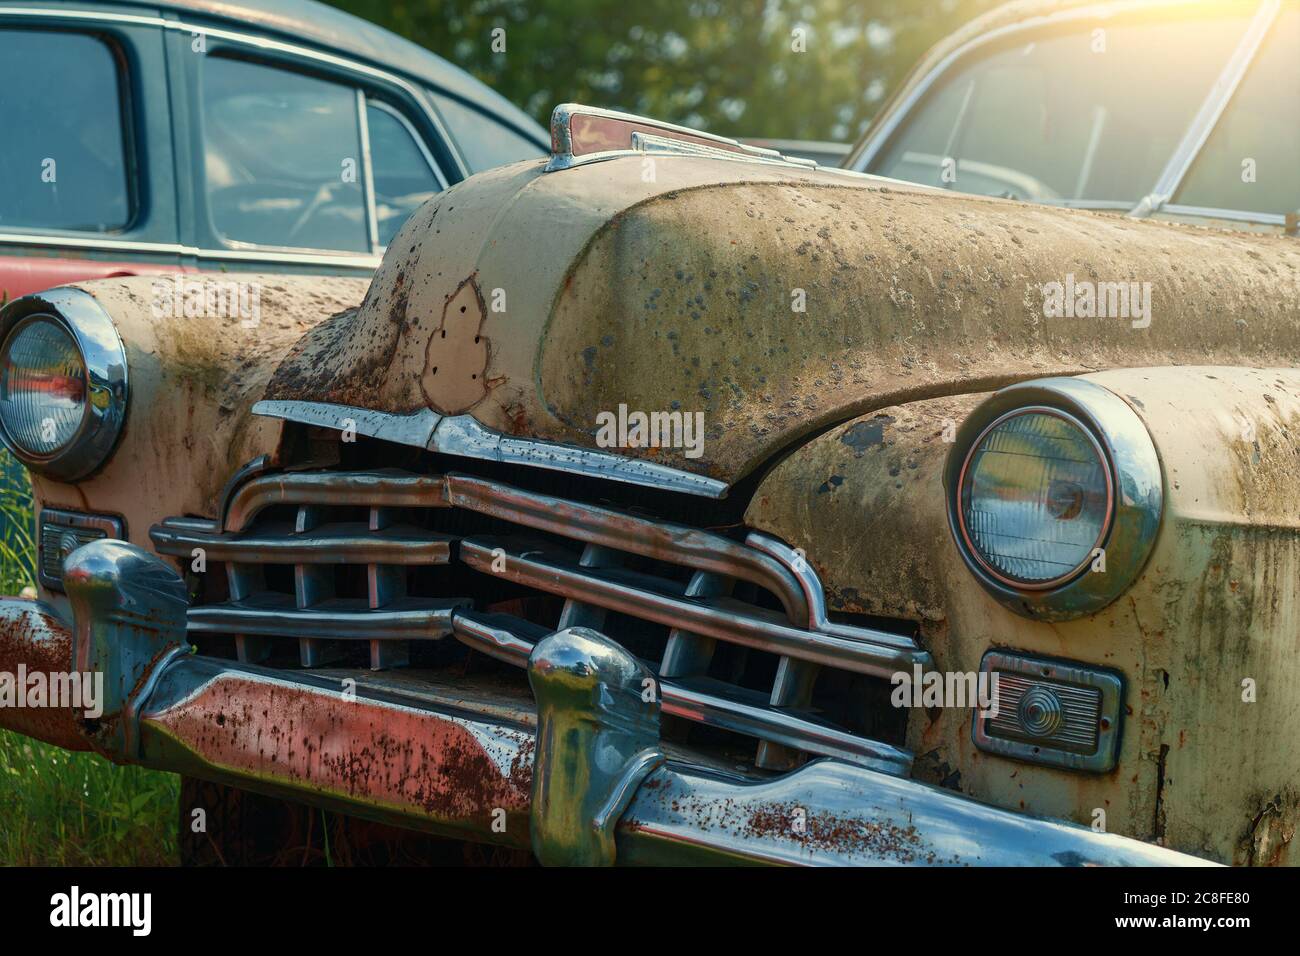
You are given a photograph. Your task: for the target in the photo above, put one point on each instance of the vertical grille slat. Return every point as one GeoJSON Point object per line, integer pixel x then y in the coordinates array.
{"type": "Point", "coordinates": [688, 654]}
{"type": "Point", "coordinates": [312, 584]}
{"type": "Point", "coordinates": [578, 613]}
{"type": "Point", "coordinates": [243, 581]}
{"type": "Point", "coordinates": [792, 689]}
{"type": "Point", "coordinates": [385, 583]}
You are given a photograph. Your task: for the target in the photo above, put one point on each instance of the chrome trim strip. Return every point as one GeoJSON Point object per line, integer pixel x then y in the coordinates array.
{"type": "Point", "coordinates": [463, 436]}
{"type": "Point", "coordinates": [489, 634]}
{"type": "Point", "coordinates": [1207, 117]}
{"type": "Point", "coordinates": [276, 615]}
{"type": "Point", "coordinates": [327, 544]}
{"type": "Point", "coordinates": [107, 393]}
{"type": "Point", "coordinates": [766, 566]}
{"type": "Point", "coordinates": [415, 429]}
{"type": "Point", "coordinates": [660, 145]}
{"type": "Point", "coordinates": [721, 619]}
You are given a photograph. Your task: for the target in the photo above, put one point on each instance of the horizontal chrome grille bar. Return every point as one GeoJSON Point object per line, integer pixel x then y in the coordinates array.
{"type": "Point", "coordinates": [264, 615]}
{"type": "Point", "coordinates": [379, 489]}
{"type": "Point", "coordinates": [700, 550]}
{"type": "Point", "coordinates": [352, 543]}
{"type": "Point", "coordinates": [720, 618]}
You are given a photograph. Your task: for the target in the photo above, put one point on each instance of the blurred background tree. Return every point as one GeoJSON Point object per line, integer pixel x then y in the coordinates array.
{"type": "Point", "coordinates": [728, 66]}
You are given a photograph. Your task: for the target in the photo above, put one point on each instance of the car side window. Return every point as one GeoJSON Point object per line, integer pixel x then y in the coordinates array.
{"type": "Point", "coordinates": [1084, 116]}
{"type": "Point", "coordinates": [1249, 161]}
{"type": "Point", "coordinates": [403, 171]}
{"type": "Point", "coordinates": [64, 162]}
{"type": "Point", "coordinates": [483, 141]}
{"type": "Point", "coordinates": [282, 157]}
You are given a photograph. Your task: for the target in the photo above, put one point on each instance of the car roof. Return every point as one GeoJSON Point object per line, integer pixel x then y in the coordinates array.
{"type": "Point", "coordinates": [312, 23]}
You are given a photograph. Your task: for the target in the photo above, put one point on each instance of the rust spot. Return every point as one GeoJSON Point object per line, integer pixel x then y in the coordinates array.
{"type": "Point", "coordinates": [36, 639]}
{"type": "Point", "coordinates": [454, 773]}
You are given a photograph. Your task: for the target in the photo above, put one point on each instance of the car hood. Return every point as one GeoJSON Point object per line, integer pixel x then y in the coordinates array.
{"type": "Point", "coordinates": [772, 300]}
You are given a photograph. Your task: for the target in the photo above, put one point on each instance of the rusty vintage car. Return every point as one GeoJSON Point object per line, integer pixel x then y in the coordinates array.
{"type": "Point", "coordinates": [654, 502]}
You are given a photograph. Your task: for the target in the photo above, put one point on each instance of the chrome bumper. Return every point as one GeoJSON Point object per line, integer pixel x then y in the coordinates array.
{"type": "Point", "coordinates": [581, 781]}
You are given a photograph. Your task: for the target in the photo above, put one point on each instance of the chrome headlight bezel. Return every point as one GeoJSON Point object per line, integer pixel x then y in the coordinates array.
{"type": "Point", "coordinates": [104, 357]}
{"type": "Point", "coordinates": [1135, 489]}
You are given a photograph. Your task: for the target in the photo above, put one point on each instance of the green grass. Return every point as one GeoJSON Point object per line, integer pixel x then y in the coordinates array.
{"type": "Point", "coordinates": [70, 809]}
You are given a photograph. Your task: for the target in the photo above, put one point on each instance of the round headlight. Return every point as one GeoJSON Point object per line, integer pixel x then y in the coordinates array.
{"type": "Point", "coordinates": [1035, 498]}
{"type": "Point", "coordinates": [1054, 496]}
{"type": "Point", "coordinates": [62, 383]}
{"type": "Point", "coordinates": [43, 388]}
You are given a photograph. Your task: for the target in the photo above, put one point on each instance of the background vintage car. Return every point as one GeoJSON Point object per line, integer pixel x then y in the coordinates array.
{"type": "Point", "coordinates": [1117, 107]}
{"type": "Point", "coordinates": [201, 136]}
{"type": "Point", "coordinates": [156, 136]}
{"type": "Point", "coordinates": [771, 582]}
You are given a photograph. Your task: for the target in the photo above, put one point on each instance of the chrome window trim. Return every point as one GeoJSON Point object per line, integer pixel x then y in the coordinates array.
{"type": "Point", "coordinates": [866, 153]}
{"type": "Point", "coordinates": [412, 91]}
{"type": "Point", "coordinates": [415, 135]}
{"type": "Point", "coordinates": [1207, 117]}
{"type": "Point", "coordinates": [313, 257]}
{"type": "Point", "coordinates": [368, 171]}
{"type": "Point", "coordinates": [1236, 215]}
{"type": "Point", "coordinates": [462, 435]}
{"type": "Point", "coordinates": [1138, 488]}
{"type": "Point", "coordinates": [104, 357]}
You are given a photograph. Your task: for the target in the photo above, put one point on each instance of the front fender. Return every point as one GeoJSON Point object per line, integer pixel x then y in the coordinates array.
{"type": "Point", "coordinates": [1205, 636]}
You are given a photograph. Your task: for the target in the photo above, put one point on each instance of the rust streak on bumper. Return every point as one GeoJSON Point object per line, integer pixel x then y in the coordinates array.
{"type": "Point", "coordinates": [34, 637]}
{"type": "Point", "coordinates": [433, 768]}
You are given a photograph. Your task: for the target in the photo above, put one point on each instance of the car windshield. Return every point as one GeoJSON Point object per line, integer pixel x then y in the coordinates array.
{"type": "Point", "coordinates": [1249, 162]}
{"type": "Point", "coordinates": [1089, 115]}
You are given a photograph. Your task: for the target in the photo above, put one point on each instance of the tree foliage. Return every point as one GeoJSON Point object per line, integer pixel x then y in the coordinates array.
{"type": "Point", "coordinates": [817, 69]}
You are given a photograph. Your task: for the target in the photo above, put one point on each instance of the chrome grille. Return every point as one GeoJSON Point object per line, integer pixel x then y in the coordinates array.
{"type": "Point", "coordinates": [679, 582]}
